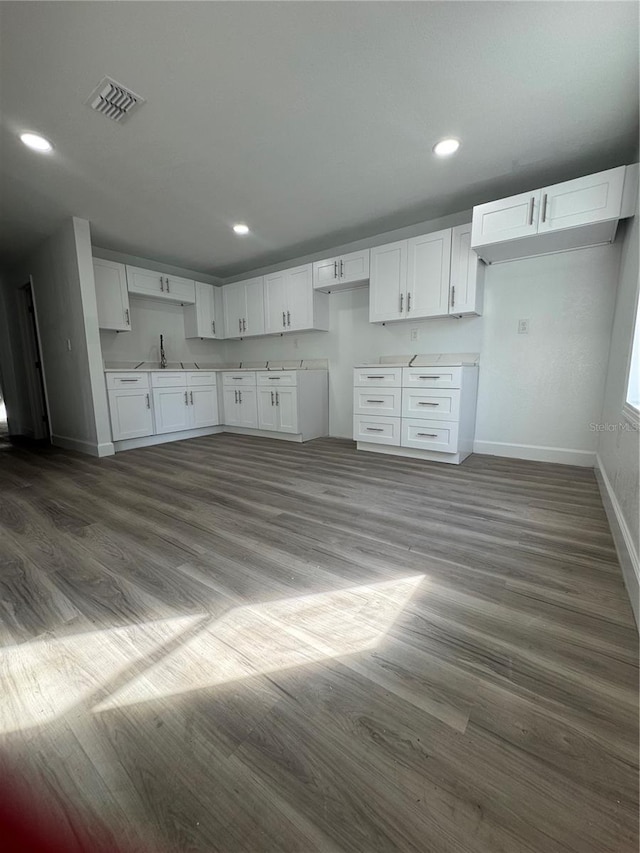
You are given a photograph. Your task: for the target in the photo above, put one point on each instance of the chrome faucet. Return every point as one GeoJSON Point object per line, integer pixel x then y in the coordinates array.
{"type": "Point", "coordinates": [163, 358]}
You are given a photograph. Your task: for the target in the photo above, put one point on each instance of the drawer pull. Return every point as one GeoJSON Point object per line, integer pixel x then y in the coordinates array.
{"type": "Point", "coordinates": [375, 429]}
{"type": "Point", "coordinates": [237, 377]}
{"type": "Point", "coordinates": [429, 377]}
{"type": "Point", "coordinates": [375, 377]}
{"type": "Point", "coordinates": [127, 380]}
{"type": "Point", "coordinates": [428, 434]}
{"type": "Point", "coordinates": [275, 377]}
{"type": "Point", "coordinates": [428, 404]}
{"type": "Point", "coordinates": [375, 401]}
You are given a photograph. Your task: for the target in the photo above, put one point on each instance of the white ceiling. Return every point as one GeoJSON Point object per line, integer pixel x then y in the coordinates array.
{"type": "Point", "coordinates": [312, 122]}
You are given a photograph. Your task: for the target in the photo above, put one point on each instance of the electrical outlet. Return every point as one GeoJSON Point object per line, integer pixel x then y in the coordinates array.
{"type": "Point", "coordinates": [413, 335]}
{"type": "Point", "coordinates": [523, 327]}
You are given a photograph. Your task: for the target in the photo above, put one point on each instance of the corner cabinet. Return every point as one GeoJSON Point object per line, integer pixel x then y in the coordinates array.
{"type": "Point", "coordinates": [341, 272]}
{"type": "Point", "coordinates": [434, 275]}
{"type": "Point", "coordinates": [243, 308]}
{"type": "Point", "coordinates": [159, 286]}
{"type": "Point", "coordinates": [203, 319]}
{"type": "Point", "coordinates": [112, 297]}
{"type": "Point", "coordinates": [570, 215]}
{"type": "Point", "coordinates": [291, 304]}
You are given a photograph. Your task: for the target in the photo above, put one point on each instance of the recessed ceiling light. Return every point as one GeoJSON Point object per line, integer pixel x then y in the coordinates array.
{"type": "Point", "coordinates": [241, 229]}
{"type": "Point", "coordinates": [36, 142]}
{"type": "Point", "coordinates": [446, 147]}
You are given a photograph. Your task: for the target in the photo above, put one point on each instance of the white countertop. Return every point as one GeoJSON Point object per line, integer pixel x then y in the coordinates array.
{"type": "Point", "coordinates": [185, 366]}
{"type": "Point", "coordinates": [449, 359]}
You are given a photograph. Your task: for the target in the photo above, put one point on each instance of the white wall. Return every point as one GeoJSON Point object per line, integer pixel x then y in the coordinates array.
{"type": "Point", "coordinates": [619, 448]}
{"type": "Point", "coordinates": [538, 392]}
{"type": "Point", "coordinates": [149, 320]}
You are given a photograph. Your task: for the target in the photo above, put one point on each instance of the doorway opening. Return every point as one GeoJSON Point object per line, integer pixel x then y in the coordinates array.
{"type": "Point", "coordinates": [35, 368]}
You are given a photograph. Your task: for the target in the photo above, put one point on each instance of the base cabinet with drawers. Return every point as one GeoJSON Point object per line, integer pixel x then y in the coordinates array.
{"type": "Point", "coordinates": [423, 412]}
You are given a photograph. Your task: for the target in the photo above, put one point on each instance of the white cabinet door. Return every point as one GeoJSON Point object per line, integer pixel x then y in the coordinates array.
{"type": "Point", "coordinates": [267, 411]}
{"type": "Point", "coordinates": [131, 415]}
{"type": "Point", "coordinates": [112, 296]}
{"type": "Point", "coordinates": [467, 274]}
{"type": "Point", "coordinates": [179, 289]}
{"type": "Point", "coordinates": [200, 318]}
{"type": "Point", "coordinates": [326, 272]}
{"type": "Point", "coordinates": [171, 407]}
{"type": "Point", "coordinates": [429, 262]}
{"type": "Point", "coordinates": [594, 198]}
{"type": "Point", "coordinates": [388, 282]}
{"type": "Point", "coordinates": [203, 407]}
{"type": "Point", "coordinates": [248, 408]}
{"type": "Point", "coordinates": [299, 284]}
{"type": "Point", "coordinates": [235, 308]}
{"type": "Point", "coordinates": [254, 311]}
{"type": "Point", "coordinates": [275, 302]}
{"type": "Point", "coordinates": [287, 406]}
{"type": "Point", "coordinates": [506, 219]}
{"type": "Point", "coordinates": [145, 282]}
{"type": "Point", "coordinates": [231, 407]}
{"type": "Point", "coordinates": [354, 267]}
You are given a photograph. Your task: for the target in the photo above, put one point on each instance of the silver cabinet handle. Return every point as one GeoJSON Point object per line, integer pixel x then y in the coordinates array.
{"type": "Point", "coordinates": [531, 205]}
{"type": "Point", "coordinates": [213, 326]}
{"type": "Point", "coordinates": [544, 207]}
{"type": "Point", "coordinates": [275, 377]}
{"type": "Point", "coordinates": [341, 269]}
{"type": "Point", "coordinates": [420, 403]}
{"type": "Point", "coordinates": [240, 397]}
{"type": "Point", "coordinates": [288, 318]}
{"type": "Point", "coordinates": [244, 325]}
{"type": "Point", "coordinates": [237, 377]}
{"type": "Point", "coordinates": [167, 284]}
{"type": "Point", "coordinates": [375, 401]}
{"type": "Point", "coordinates": [429, 377]}
{"type": "Point", "coordinates": [236, 394]}
{"type": "Point", "coordinates": [127, 380]}
{"type": "Point", "coordinates": [277, 399]}
{"type": "Point", "coordinates": [428, 434]}
{"type": "Point", "coordinates": [191, 397]}
{"type": "Point", "coordinates": [453, 295]}
{"type": "Point", "coordinates": [401, 301]}
{"type": "Point", "coordinates": [335, 269]}
{"type": "Point", "coordinates": [375, 377]}
{"type": "Point", "coordinates": [408, 302]}
{"type": "Point", "coordinates": [375, 429]}
{"type": "Point", "coordinates": [148, 402]}
{"type": "Point", "coordinates": [272, 399]}
{"type": "Point", "coordinates": [239, 325]}
{"type": "Point", "coordinates": [126, 316]}
{"type": "Point", "coordinates": [162, 283]}
{"type": "Point", "coordinates": [186, 399]}
{"type": "Point", "coordinates": [284, 319]}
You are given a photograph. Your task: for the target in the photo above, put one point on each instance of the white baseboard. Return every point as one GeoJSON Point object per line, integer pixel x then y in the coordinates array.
{"type": "Point", "coordinates": [164, 438]}
{"type": "Point", "coordinates": [264, 433]}
{"type": "Point", "coordinates": [537, 453]}
{"type": "Point", "coordinates": [89, 447]}
{"type": "Point", "coordinates": [622, 537]}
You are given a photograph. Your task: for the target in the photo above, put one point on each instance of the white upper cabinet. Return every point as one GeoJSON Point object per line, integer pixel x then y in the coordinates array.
{"type": "Point", "coordinates": [434, 275]}
{"type": "Point", "coordinates": [111, 295]}
{"type": "Point", "coordinates": [429, 263]}
{"type": "Point", "coordinates": [466, 292]}
{"type": "Point", "coordinates": [388, 282]}
{"type": "Point", "coordinates": [290, 303]}
{"type": "Point", "coordinates": [244, 308]}
{"type": "Point", "coordinates": [155, 285]}
{"type": "Point", "coordinates": [570, 215]}
{"type": "Point", "coordinates": [341, 272]}
{"type": "Point", "coordinates": [204, 318]}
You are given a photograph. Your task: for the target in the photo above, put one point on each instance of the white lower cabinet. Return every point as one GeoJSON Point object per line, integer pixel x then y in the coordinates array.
{"type": "Point", "coordinates": [171, 407]}
{"type": "Point", "coordinates": [131, 414]}
{"type": "Point", "coordinates": [241, 407]}
{"type": "Point", "coordinates": [203, 402]}
{"type": "Point", "coordinates": [278, 409]}
{"type": "Point", "coordinates": [423, 412]}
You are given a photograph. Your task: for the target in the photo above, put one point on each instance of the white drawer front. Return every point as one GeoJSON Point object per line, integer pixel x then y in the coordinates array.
{"type": "Point", "coordinates": [377, 430]}
{"type": "Point", "coordinates": [272, 379]}
{"type": "Point", "coordinates": [377, 401]}
{"type": "Point", "coordinates": [168, 379]}
{"type": "Point", "coordinates": [238, 379]}
{"type": "Point", "coordinates": [382, 377]}
{"type": "Point", "coordinates": [127, 380]}
{"type": "Point", "coordinates": [430, 435]}
{"type": "Point", "coordinates": [432, 377]}
{"type": "Point", "coordinates": [201, 377]}
{"type": "Point", "coordinates": [435, 404]}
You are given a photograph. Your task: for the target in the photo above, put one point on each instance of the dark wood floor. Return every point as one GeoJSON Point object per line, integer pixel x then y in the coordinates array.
{"type": "Point", "coordinates": [236, 644]}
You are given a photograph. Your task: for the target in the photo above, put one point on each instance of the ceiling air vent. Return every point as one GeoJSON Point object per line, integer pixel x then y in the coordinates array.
{"type": "Point", "coordinates": [113, 100]}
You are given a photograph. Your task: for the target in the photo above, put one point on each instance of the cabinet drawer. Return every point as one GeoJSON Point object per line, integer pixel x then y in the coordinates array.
{"type": "Point", "coordinates": [431, 377]}
{"type": "Point", "coordinates": [169, 379]}
{"type": "Point", "coordinates": [238, 379]}
{"type": "Point", "coordinates": [381, 377]}
{"type": "Point", "coordinates": [273, 379]}
{"type": "Point", "coordinates": [377, 430]}
{"type": "Point", "coordinates": [201, 377]}
{"type": "Point", "coordinates": [127, 380]}
{"type": "Point", "coordinates": [430, 435]}
{"type": "Point", "coordinates": [377, 401]}
{"type": "Point", "coordinates": [435, 404]}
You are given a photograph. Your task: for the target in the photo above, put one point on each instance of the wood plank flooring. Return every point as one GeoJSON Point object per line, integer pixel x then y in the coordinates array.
{"type": "Point", "coordinates": [236, 644]}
